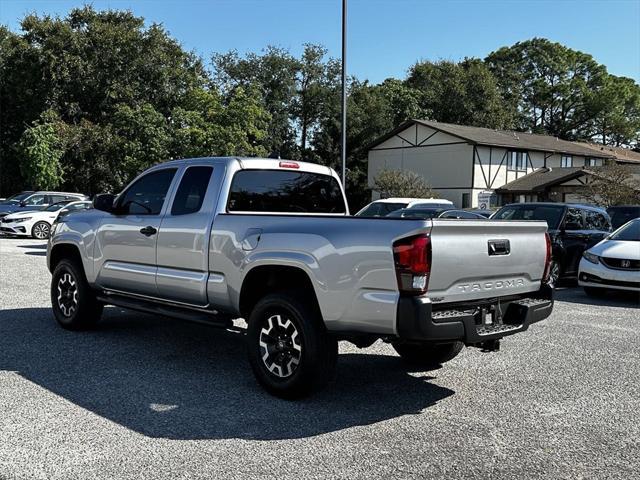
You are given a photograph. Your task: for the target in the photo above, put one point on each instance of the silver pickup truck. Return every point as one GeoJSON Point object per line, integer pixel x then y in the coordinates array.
{"type": "Point", "coordinates": [271, 241]}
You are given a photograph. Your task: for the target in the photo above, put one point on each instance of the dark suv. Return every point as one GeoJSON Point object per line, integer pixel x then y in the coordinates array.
{"type": "Point", "coordinates": [622, 214]}
{"type": "Point", "coordinates": [572, 228]}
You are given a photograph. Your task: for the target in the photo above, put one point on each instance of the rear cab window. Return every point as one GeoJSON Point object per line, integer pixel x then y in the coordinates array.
{"type": "Point", "coordinates": [276, 191]}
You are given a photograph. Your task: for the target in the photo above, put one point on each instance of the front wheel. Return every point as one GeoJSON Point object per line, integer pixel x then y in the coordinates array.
{"type": "Point", "coordinates": [290, 351]}
{"type": "Point", "coordinates": [41, 230]}
{"type": "Point", "coordinates": [73, 302]}
{"type": "Point", "coordinates": [428, 355]}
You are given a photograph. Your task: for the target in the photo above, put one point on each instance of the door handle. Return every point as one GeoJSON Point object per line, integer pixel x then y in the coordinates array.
{"type": "Point", "coordinates": [148, 231]}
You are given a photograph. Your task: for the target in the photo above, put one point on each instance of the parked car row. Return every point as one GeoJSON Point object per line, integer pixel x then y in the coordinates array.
{"type": "Point", "coordinates": [32, 213]}
{"type": "Point", "coordinates": [582, 243]}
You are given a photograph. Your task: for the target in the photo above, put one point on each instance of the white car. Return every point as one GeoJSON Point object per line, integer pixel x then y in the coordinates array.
{"type": "Point", "coordinates": [614, 263]}
{"type": "Point", "coordinates": [37, 223]}
{"type": "Point", "coordinates": [383, 207]}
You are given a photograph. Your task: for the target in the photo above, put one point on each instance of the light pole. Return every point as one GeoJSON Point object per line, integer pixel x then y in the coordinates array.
{"type": "Point", "coordinates": [344, 95]}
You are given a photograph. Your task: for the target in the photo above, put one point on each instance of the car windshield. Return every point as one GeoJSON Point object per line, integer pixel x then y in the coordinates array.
{"type": "Point", "coordinates": [549, 213]}
{"type": "Point", "coordinates": [55, 207]}
{"type": "Point", "coordinates": [421, 213]}
{"type": "Point", "coordinates": [381, 209]}
{"type": "Point", "coordinates": [621, 215]}
{"type": "Point", "coordinates": [628, 233]}
{"type": "Point", "coordinates": [17, 197]}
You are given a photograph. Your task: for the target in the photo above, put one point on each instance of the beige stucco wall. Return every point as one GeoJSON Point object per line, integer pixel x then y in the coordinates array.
{"type": "Point", "coordinates": [446, 168]}
{"type": "Point", "coordinates": [448, 165]}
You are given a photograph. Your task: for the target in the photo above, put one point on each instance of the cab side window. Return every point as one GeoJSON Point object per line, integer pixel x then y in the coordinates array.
{"type": "Point", "coordinates": [35, 200]}
{"type": "Point", "coordinates": [596, 221]}
{"type": "Point", "coordinates": [191, 191]}
{"type": "Point", "coordinates": [146, 196]}
{"type": "Point", "coordinates": [573, 220]}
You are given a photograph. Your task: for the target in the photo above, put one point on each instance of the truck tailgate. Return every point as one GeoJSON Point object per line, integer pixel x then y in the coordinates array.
{"type": "Point", "coordinates": [476, 259]}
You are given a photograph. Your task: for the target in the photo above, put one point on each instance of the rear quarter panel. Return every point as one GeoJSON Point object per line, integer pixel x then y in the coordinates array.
{"type": "Point", "coordinates": [348, 259]}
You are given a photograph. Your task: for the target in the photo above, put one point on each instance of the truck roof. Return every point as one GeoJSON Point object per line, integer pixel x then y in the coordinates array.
{"type": "Point", "coordinates": [253, 163]}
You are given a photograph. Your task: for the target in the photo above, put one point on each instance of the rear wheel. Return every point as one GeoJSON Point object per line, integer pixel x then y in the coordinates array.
{"type": "Point", "coordinates": [41, 230]}
{"type": "Point", "coordinates": [428, 355]}
{"type": "Point", "coordinates": [73, 301]}
{"type": "Point", "coordinates": [290, 351]}
{"type": "Point", "coordinates": [594, 291]}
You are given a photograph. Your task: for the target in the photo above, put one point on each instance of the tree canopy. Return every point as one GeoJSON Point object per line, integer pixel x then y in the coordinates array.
{"type": "Point", "coordinates": [91, 99]}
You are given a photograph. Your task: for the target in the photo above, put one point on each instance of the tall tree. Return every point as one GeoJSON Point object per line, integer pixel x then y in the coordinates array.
{"type": "Point", "coordinates": [273, 75]}
{"type": "Point", "coordinates": [549, 84]}
{"type": "Point", "coordinates": [123, 92]}
{"type": "Point", "coordinates": [615, 113]}
{"type": "Point", "coordinates": [42, 147]}
{"type": "Point", "coordinates": [466, 93]}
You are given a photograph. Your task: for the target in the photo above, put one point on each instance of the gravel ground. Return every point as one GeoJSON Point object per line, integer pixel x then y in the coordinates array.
{"type": "Point", "coordinates": [145, 397]}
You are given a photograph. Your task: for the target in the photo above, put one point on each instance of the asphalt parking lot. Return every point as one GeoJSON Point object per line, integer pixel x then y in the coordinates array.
{"type": "Point", "coordinates": [145, 397]}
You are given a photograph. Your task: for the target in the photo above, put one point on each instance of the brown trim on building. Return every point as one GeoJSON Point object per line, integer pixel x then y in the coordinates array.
{"type": "Point", "coordinates": [418, 146]}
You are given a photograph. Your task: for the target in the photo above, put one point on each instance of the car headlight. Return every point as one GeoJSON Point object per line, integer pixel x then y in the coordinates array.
{"type": "Point", "coordinates": [591, 257]}
{"type": "Point", "coordinates": [23, 219]}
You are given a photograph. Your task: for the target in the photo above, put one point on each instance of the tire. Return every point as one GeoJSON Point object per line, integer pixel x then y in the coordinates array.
{"type": "Point", "coordinates": [73, 301]}
{"type": "Point", "coordinates": [594, 292]}
{"type": "Point", "coordinates": [290, 351]}
{"type": "Point", "coordinates": [428, 355]}
{"type": "Point", "coordinates": [41, 230]}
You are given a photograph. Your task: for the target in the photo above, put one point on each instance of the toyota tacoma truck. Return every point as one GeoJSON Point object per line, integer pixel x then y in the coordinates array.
{"type": "Point", "coordinates": [215, 240]}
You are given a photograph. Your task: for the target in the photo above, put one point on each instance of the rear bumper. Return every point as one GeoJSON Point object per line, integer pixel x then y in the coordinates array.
{"type": "Point", "coordinates": [419, 320]}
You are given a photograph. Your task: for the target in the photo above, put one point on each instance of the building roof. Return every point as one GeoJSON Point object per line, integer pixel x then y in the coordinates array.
{"type": "Point", "coordinates": [541, 178]}
{"type": "Point", "coordinates": [546, 177]}
{"type": "Point", "coordinates": [621, 154]}
{"type": "Point", "coordinates": [502, 138]}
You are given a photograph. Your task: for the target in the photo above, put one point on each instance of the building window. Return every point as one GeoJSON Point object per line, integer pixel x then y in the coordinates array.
{"type": "Point", "coordinates": [566, 161]}
{"type": "Point", "coordinates": [517, 161]}
{"type": "Point", "coordinates": [593, 162]}
{"type": "Point", "coordinates": [465, 200]}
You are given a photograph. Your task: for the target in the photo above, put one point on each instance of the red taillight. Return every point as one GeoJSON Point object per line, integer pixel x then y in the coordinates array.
{"type": "Point", "coordinates": [412, 257]}
{"type": "Point", "coordinates": [289, 165]}
{"type": "Point", "coordinates": [547, 261]}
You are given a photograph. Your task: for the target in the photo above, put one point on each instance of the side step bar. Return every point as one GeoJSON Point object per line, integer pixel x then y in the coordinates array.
{"type": "Point", "coordinates": [218, 320]}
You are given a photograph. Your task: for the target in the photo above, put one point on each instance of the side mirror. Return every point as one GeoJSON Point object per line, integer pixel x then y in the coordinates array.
{"type": "Point", "coordinates": [23, 203]}
{"type": "Point", "coordinates": [104, 202]}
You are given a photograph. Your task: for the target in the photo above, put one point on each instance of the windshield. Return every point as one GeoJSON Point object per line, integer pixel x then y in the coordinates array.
{"type": "Point", "coordinates": [55, 207]}
{"type": "Point", "coordinates": [549, 213]}
{"type": "Point", "coordinates": [621, 215]}
{"type": "Point", "coordinates": [17, 197]}
{"type": "Point", "coordinates": [416, 213]}
{"type": "Point", "coordinates": [628, 233]}
{"type": "Point", "coordinates": [380, 209]}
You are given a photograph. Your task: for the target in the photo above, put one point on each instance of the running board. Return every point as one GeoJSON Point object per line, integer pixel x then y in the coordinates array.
{"type": "Point", "coordinates": [218, 320]}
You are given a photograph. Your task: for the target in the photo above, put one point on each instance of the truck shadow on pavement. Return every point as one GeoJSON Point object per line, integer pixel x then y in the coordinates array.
{"type": "Point", "coordinates": [167, 379]}
{"type": "Point", "coordinates": [612, 298]}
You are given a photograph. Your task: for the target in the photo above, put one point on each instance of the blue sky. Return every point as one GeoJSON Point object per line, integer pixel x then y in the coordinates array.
{"type": "Point", "coordinates": [385, 37]}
